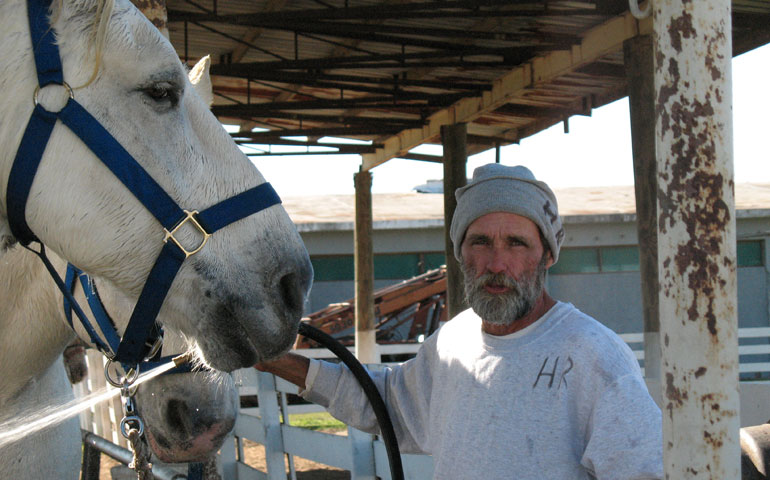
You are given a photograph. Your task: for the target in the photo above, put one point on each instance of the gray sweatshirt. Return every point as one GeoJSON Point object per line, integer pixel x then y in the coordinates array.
{"type": "Point", "coordinates": [561, 399]}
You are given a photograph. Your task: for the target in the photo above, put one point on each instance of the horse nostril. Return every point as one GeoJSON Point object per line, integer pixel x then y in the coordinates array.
{"type": "Point", "coordinates": [292, 292]}
{"type": "Point", "coordinates": [178, 417]}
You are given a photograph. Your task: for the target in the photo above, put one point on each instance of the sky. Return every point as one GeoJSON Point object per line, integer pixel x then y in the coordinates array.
{"type": "Point", "coordinates": [595, 152]}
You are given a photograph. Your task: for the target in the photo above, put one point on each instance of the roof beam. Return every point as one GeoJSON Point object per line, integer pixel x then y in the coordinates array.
{"type": "Point", "coordinates": [509, 57]}
{"type": "Point", "coordinates": [264, 109]}
{"type": "Point", "coordinates": [435, 9]}
{"type": "Point", "coordinates": [268, 136]}
{"type": "Point", "coordinates": [252, 71]}
{"type": "Point", "coordinates": [597, 42]}
{"type": "Point", "coordinates": [341, 119]}
{"type": "Point", "coordinates": [404, 35]}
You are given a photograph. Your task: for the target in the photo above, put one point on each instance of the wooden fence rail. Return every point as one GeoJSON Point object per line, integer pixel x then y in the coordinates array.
{"type": "Point", "coordinates": [364, 455]}
{"type": "Point", "coordinates": [751, 341]}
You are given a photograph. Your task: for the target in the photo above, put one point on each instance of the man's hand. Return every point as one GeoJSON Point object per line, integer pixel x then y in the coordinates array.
{"type": "Point", "coordinates": [291, 367]}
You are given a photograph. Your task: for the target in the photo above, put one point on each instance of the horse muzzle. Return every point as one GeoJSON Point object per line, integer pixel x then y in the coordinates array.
{"type": "Point", "coordinates": [187, 416]}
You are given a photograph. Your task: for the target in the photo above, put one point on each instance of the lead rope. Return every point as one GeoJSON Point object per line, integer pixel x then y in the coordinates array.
{"type": "Point", "coordinates": [141, 461]}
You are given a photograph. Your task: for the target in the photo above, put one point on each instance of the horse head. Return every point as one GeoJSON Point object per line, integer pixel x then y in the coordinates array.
{"type": "Point", "coordinates": [240, 298]}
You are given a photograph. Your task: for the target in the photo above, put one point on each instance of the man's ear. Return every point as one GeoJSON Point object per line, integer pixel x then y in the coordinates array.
{"type": "Point", "coordinates": [7, 240]}
{"type": "Point", "coordinates": [549, 261]}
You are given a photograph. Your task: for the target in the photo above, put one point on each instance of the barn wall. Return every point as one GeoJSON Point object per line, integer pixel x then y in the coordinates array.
{"type": "Point", "coordinates": [612, 297]}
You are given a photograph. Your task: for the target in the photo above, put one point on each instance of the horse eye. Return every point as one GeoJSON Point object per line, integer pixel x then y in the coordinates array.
{"type": "Point", "coordinates": [162, 93]}
{"type": "Point", "coordinates": [158, 93]}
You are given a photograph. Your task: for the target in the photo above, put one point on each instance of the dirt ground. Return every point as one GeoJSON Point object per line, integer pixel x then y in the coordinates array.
{"type": "Point", "coordinates": [255, 457]}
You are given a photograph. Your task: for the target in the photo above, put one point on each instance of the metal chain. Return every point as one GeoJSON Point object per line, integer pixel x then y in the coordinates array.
{"type": "Point", "coordinates": [132, 426]}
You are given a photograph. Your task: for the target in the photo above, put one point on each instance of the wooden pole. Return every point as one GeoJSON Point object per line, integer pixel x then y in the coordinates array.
{"type": "Point", "coordinates": [366, 333]}
{"type": "Point", "coordinates": [454, 138]}
{"type": "Point", "coordinates": [155, 11]}
{"type": "Point", "coordinates": [640, 77]}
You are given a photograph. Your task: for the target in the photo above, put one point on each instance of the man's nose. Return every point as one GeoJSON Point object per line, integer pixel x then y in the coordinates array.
{"type": "Point", "coordinates": [496, 262]}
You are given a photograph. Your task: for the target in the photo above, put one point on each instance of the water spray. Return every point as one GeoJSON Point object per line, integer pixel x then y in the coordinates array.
{"type": "Point", "coordinates": [15, 429]}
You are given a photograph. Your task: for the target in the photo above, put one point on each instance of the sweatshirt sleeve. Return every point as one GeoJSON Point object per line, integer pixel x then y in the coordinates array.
{"type": "Point", "coordinates": [405, 389]}
{"type": "Point", "coordinates": [625, 433]}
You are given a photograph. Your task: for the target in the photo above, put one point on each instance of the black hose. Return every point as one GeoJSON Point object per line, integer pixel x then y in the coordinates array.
{"type": "Point", "coordinates": [370, 389]}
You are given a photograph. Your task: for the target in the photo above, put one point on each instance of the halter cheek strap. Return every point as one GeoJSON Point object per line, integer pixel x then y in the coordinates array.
{"type": "Point", "coordinates": [132, 347]}
{"type": "Point", "coordinates": [107, 325]}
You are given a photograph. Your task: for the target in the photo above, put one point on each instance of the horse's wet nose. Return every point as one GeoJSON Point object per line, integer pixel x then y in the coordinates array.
{"type": "Point", "coordinates": [186, 422]}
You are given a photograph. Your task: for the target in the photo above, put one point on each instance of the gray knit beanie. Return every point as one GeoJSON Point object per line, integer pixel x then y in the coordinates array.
{"type": "Point", "coordinates": [498, 188]}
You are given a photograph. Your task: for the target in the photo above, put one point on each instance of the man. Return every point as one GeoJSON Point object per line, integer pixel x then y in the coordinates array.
{"type": "Point", "coordinates": [520, 386]}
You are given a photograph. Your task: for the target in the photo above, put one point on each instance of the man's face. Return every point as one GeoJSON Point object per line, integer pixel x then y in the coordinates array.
{"type": "Point", "coordinates": [504, 266]}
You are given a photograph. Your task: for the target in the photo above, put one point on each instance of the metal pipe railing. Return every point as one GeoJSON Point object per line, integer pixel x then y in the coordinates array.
{"type": "Point", "coordinates": [94, 445]}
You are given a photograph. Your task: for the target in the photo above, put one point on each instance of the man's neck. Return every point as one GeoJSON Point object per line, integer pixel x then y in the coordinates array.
{"type": "Point", "coordinates": [542, 305]}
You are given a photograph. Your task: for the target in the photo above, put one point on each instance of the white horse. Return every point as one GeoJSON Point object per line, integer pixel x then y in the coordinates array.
{"type": "Point", "coordinates": [238, 300]}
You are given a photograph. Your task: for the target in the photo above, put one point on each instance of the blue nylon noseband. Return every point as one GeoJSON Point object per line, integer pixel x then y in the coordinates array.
{"type": "Point", "coordinates": [132, 348]}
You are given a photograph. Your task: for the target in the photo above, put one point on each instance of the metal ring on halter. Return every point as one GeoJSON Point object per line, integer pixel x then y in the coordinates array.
{"type": "Point", "coordinates": [130, 377]}
{"type": "Point", "coordinates": [132, 418]}
{"type": "Point", "coordinates": [155, 348]}
{"type": "Point", "coordinates": [62, 84]}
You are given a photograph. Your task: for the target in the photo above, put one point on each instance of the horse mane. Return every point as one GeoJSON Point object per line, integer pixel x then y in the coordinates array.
{"type": "Point", "coordinates": [104, 9]}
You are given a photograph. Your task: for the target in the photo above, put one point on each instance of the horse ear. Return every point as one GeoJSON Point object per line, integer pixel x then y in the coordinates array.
{"type": "Point", "coordinates": [199, 77]}
{"type": "Point", "coordinates": [7, 240]}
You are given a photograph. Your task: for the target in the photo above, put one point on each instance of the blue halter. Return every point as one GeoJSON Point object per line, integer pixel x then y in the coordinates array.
{"type": "Point", "coordinates": [103, 319]}
{"type": "Point", "coordinates": [132, 348]}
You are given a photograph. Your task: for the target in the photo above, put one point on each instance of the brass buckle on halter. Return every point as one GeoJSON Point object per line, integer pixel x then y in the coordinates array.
{"type": "Point", "coordinates": [189, 217]}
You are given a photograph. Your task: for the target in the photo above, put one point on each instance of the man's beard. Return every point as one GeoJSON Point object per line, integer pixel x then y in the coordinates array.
{"type": "Point", "coordinates": [504, 308]}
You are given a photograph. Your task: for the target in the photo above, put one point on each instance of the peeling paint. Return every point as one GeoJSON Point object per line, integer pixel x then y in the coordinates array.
{"type": "Point", "coordinates": [673, 393]}
{"type": "Point", "coordinates": [679, 28]}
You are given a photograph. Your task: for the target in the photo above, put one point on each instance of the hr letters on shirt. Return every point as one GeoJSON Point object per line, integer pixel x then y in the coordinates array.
{"type": "Point", "coordinates": [552, 371]}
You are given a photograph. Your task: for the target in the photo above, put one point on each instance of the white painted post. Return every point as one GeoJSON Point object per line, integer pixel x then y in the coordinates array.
{"type": "Point", "coordinates": [228, 457]}
{"type": "Point", "coordinates": [362, 450]}
{"type": "Point", "coordinates": [696, 242]}
{"type": "Point", "coordinates": [268, 411]}
{"type": "Point", "coordinates": [285, 414]}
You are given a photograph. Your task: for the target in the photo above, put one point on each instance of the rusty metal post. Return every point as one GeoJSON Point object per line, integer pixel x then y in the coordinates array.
{"type": "Point", "coordinates": [366, 332]}
{"type": "Point", "coordinates": [155, 11]}
{"type": "Point", "coordinates": [696, 241]}
{"type": "Point", "coordinates": [454, 139]}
